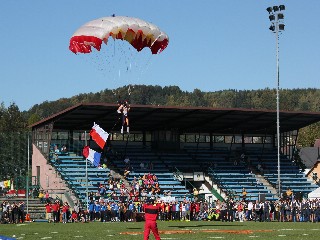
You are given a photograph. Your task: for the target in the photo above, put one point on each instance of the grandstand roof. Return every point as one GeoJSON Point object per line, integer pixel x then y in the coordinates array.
{"type": "Point", "coordinates": [183, 119]}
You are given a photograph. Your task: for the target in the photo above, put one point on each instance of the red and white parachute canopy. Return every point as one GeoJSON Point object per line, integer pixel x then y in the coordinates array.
{"type": "Point", "coordinates": [138, 33]}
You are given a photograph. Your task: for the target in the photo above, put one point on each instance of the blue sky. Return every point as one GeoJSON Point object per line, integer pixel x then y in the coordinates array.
{"type": "Point", "coordinates": [214, 45]}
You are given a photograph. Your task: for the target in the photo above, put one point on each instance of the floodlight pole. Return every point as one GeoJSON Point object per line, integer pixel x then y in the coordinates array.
{"type": "Point", "coordinates": [278, 105]}
{"type": "Point", "coordinates": [28, 166]}
{"type": "Point", "coordinates": [274, 17]}
{"type": "Point", "coordinates": [87, 193]}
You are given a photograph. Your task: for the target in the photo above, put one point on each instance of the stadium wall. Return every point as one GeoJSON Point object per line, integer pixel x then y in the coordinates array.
{"type": "Point", "coordinates": [45, 174]}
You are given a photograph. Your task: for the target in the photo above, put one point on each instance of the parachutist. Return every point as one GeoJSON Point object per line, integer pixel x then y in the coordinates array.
{"type": "Point", "coordinates": [124, 108]}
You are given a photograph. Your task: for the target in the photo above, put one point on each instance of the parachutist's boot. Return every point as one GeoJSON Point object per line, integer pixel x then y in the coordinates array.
{"type": "Point", "coordinates": [122, 129]}
{"type": "Point", "coordinates": [127, 129]}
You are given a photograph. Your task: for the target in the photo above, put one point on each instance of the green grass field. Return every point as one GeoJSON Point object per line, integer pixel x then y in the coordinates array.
{"type": "Point", "coordinates": [176, 230]}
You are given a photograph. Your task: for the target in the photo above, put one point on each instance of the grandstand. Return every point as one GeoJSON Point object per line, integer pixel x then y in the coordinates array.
{"type": "Point", "coordinates": [176, 142]}
{"type": "Point", "coordinates": [75, 170]}
{"type": "Point", "coordinates": [163, 172]}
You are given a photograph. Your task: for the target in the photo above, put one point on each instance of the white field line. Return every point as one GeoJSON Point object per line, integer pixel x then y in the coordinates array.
{"type": "Point", "coordinates": [21, 224]}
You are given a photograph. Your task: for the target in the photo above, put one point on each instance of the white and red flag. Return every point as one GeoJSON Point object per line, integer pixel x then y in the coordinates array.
{"type": "Point", "coordinates": [99, 135]}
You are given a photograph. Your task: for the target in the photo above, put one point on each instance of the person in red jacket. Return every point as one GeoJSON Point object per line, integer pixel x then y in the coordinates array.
{"type": "Point", "coordinates": [65, 210]}
{"type": "Point", "coordinates": [48, 207]}
{"type": "Point", "coordinates": [56, 211]}
{"type": "Point", "coordinates": [151, 214]}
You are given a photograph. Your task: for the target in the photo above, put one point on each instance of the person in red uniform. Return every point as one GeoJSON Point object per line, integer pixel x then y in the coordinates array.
{"type": "Point", "coordinates": [48, 207]}
{"type": "Point", "coordinates": [56, 211]}
{"type": "Point", "coordinates": [151, 213]}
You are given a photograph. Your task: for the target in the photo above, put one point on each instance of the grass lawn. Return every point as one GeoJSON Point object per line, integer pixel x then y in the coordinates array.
{"type": "Point", "coordinates": [168, 230]}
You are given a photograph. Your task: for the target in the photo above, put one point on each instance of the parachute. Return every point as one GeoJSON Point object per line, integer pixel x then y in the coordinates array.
{"type": "Point", "coordinates": [138, 33]}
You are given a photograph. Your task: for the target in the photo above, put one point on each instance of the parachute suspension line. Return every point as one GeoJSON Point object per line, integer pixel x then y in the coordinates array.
{"type": "Point", "coordinates": [121, 58]}
{"type": "Point", "coordinates": [119, 118]}
{"type": "Point", "coordinates": [114, 47]}
{"type": "Point", "coordinates": [129, 59]}
{"type": "Point", "coordinates": [129, 90]}
{"type": "Point", "coordinates": [145, 67]}
{"type": "Point", "coordinates": [115, 124]}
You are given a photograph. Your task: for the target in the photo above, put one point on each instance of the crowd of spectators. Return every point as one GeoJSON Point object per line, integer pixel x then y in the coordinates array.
{"type": "Point", "coordinates": [12, 212]}
{"type": "Point", "coordinates": [139, 188]}
{"type": "Point", "coordinates": [112, 189]}
{"type": "Point", "coordinates": [109, 210]}
{"type": "Point", "coordinates": [285, 210]}
{"type": "Point", "coordinates": [105, 210]}
{"type": "Point", "coordinates": [146, 184]}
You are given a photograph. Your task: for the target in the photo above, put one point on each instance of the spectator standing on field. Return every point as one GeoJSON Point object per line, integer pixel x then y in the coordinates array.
{"type": "Point", "coordinates": [56, 211]}
{"type": "Point", "coordinates": [65, 211]}
{"type": "Point", "coordinates": [48, 207]}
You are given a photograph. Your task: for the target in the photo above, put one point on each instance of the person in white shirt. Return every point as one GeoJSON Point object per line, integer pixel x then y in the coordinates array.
{"type": "Point", "coordinates": [250, 208]}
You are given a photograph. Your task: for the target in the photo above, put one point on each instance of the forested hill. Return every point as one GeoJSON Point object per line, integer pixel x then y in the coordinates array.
{"type": "Point", "coordinates": [11, 119]}
{"type": "Point", "coordinates": [291, 100]}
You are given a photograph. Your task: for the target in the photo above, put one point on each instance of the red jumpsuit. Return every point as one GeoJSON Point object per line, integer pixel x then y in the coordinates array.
{"type": "Point", "coordinates": [151, 214]}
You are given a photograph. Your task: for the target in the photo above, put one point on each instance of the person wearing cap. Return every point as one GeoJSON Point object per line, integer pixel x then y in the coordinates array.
{"type": "Point", "coordinates": [151, 214]}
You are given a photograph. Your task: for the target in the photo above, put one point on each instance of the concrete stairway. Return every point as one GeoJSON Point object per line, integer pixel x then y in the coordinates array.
{"type": "Point", "coordinates": [36, 209]}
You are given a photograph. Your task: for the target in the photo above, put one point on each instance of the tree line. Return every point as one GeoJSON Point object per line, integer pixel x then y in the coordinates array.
{"type": "Point", "coordinates": [290, 100]}
{"type": "Point", "coordinates": [14, 150]}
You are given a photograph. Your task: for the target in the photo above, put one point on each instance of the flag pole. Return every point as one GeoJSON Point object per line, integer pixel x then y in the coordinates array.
{"type": "Point", "coordinates": [87, 194]}
{"type": "Point", "coordinates": [28, 167]}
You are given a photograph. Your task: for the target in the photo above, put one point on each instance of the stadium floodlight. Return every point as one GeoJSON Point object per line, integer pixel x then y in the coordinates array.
{"type": "Point", "coordinates": [276, 27]}
{"type": "Point", "coordinates": [272, 28]}
{"type": "Point", "coordinates": [280, 16]}
{"type": "Point", "coordinates": [282, 7]}
{"type": "Point", "coordinates": [275, 8]}
{"type": "Point", "coordinates": [272, 17]}
{"type": "Point", "coordinates": [269, 9]}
